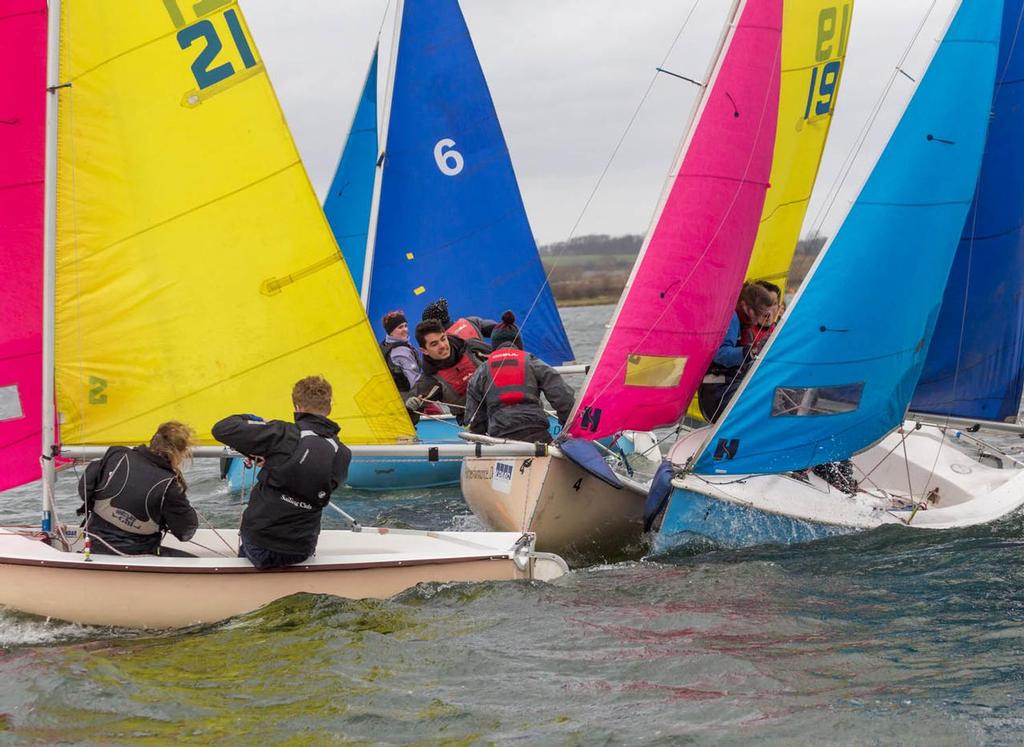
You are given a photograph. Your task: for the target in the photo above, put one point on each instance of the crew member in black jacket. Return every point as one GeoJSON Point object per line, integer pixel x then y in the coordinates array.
{"type": "Point", "coordinates": [303, 463]}
{"type": "Point", "coordinates": [132, 496]}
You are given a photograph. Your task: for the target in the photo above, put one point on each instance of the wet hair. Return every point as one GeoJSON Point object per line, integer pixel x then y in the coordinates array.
{"type": "Point", "coordinates": [173, 441]}
{"type": "Point", "coordinates": [770, 287]}
{"type": "Point", "coordinates": [428, 327]}
{"type": "Point", "coordinates": [313, 394]}
{"type": "Point", "coordinates": [758, 298]}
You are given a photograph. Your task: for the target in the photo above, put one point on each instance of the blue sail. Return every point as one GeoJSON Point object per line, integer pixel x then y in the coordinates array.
{"type": "Point", "coordinates": [842, 367]}
{"type": "Point", "coordinates": [451, 219]}
{"type": "Point", "coordinates": [347, 204]}
{"type": "Point", "coordinates": [974, 364]}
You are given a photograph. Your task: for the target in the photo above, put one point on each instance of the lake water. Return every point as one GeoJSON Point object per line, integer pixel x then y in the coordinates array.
{"type": "Point", "coordinates": [889, 637]}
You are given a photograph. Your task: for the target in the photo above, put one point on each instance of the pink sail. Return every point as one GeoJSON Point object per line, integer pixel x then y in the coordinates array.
{"type": "Point", "coordinates": [680, 298]}
{"type": "Point", "coordinates": [22, 160]}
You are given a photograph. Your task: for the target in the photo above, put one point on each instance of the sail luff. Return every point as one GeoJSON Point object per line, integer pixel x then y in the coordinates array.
{"type": "Point", "coordinates": [684, 285]}
{"type": "Point", "coordinates": [382, 146]}
{"type": "Point", "coordinates": [49, 416]}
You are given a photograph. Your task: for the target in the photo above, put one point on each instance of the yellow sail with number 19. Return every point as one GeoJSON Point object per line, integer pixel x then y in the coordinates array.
{"type": "Point", "coordinates": [814, 38]}
{"type": "Point", "coordinates": [196, 274]}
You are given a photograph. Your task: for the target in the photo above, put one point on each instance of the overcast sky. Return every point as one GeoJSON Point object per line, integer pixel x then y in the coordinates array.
{"type": "Point", "coordinates": [566, 77]}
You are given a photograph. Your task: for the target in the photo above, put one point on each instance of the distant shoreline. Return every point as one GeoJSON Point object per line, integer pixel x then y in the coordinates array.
{"type": "Point", "coordinates": [592, 301]}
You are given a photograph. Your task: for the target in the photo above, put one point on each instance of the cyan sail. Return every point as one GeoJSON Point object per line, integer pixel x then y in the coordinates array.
{"type": "Point", "coordinates": [974, 364]}
{"type": "Point", "coordinates": [347, 204]}
{"type": "Point", "coordinates": [451, 220]}
{"type": "Point", "coordinates": [841, 369]}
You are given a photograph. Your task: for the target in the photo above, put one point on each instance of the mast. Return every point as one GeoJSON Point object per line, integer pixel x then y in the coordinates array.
{"type": "Point", "coordinates": [389, 91]}
{"type": "Point", "coordinates": [50, 258]}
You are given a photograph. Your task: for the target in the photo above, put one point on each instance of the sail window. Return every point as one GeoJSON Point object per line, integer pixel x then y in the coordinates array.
{"type": "Point", "coordinates": [817, 400]}
{"type": "Point", "coordinates": [10, 403]}
{"type": "Point", "coordinates": [654, 370]}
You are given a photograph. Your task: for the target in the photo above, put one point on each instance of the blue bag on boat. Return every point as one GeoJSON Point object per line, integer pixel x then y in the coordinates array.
{"type": "Point", "coordinates": [585, 455]}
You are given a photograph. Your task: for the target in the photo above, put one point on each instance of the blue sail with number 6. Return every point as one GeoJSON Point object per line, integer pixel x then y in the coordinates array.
{"type": "Point", "coordinates": [450, 218]}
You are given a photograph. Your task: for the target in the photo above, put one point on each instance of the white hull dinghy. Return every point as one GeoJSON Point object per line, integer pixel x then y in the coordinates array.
{"type": "Point", "coordinates": [830, 392]}
{"type": "Point", "coordinates": [39, 577]}
{"type": "Point", "coordinates": [922, 476]}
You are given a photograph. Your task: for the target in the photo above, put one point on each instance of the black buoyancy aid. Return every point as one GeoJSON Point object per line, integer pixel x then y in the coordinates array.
{"type": "Point", "coordinates": [464, 330]}
{"type": "Point", "coordinates": [458, 376]}
{"type": "Point", "coordinates": [308, 473]}
{"type": "Point", "coordinates": [507, 367]}
{"type": "Point", "coordinates": [397, 373]}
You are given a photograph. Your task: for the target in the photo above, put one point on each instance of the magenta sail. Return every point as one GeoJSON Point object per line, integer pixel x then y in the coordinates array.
{"type": "Point", "coordinates": [680, 298]}
{"type": "Point", "coordinates": [22, 159]}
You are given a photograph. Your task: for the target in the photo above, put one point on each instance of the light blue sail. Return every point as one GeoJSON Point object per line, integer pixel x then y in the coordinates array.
{"type": "Point", "coordinates": [451, 218]}
{"type": "Point", "coordinates": [347, 205]}
{"type": "Point", "coordinates": [974, 364]}
{"type": "Point", "coordinates": [844, 363]}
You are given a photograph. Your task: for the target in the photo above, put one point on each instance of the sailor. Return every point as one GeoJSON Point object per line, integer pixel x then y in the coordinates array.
{"type": "Point", "coordinates": [447, 368]}
{"type": "Point", "coordinates": [131, 497]}
{"type": "Point", "coordinates": [749, 329]}
{"type": "Point", "coordinates": [472, 329]}
{"type": "Point", "coordinates": [403, 359]}
{"type": "Point", "coordinates": [303, 463]}
{"type": "Point", "coordinates": [503, 398]}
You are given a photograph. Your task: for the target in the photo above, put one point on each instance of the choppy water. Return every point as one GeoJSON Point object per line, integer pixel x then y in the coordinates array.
{"type": "Point", "coordinates": [883, 638]}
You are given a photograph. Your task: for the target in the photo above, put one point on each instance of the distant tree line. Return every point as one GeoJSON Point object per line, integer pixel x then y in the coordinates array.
{"type": "Point", "coordinates": [594, 269]}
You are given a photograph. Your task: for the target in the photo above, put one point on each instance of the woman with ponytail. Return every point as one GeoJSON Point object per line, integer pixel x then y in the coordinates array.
{"type": "Point", "coordinates": [132, 496]}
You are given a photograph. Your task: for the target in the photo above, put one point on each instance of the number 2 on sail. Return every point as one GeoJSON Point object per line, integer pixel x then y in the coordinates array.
{"type": "Point", "coordinates": [831, 43]}
{"type": "Point", "coordinates": [203, 69]}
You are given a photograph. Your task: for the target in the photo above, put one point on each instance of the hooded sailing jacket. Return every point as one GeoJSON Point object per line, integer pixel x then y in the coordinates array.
{"type": "Point", "coordinates": [131, 496]}
{"type": "Point", "coordinates": [304, 463]}
{"type": "Point", "coordinates": [503, 398]}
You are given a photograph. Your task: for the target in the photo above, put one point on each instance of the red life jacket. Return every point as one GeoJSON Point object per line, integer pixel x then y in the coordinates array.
{"type": "Point", "coordinates": [464, 330]}
{"type": "Point", "coordinates": [507, 367]}
{"type": "Point", "coordinates": [458, 376]}
{"type": "Point", "coordinates": [754, 336]}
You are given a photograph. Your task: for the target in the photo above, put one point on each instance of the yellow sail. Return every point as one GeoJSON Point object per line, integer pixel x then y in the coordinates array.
{"type": "Point", "coordinates": [196, 274]}
{"type": "Point", "coordinates": [814, 37]}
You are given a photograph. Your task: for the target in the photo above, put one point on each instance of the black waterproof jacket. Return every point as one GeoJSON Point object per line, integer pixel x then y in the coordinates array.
{"type": "Point", "coordinates": [132, 497]}
{"type": "Point", "coordinates": [282, 514]}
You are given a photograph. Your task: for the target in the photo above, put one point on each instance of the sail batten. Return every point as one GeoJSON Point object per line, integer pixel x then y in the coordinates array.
{"type": "Point", "coordinates": [181, 200]}
{"type": "Point", "coordinates": [838, 373]}
{"type": "Point", "coordinates": [678, 301]}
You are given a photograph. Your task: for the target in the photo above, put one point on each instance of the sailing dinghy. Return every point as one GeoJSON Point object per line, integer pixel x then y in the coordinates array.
{"type": "Point", "coordinates": [175, 196]}
{"type": "Point", "coordinates": [436, 213]}
{"type": "Point", "coordinates": [671, 317]}
{"type": "Point", "coordinates": [835, 380]}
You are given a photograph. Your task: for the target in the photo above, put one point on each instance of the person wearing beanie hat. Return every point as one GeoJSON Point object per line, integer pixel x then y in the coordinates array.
{"type": "Point", "coordinates": [503, 397]}
{"type": "Point", "coordinates": [402, 358]}
{"type": "Point", "coordinates": [506, 331]}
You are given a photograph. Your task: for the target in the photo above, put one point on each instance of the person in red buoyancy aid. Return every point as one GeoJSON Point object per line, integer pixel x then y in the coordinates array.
{"type": "Point", "coordinates": [447, 368]}
{"type": "Point", "coordinates": [751, 325]}
{"type": "Point", "coordinates": [503, 398]}
{"type": "Point", "coordinates": [471, 329]}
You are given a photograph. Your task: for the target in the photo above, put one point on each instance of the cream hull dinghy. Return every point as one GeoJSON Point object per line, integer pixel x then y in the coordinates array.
{"type": "Point", "coordinates": [921, 476]}
{"type": "Point", "coordinates": [574, 512]}
{"type": "Point", "coordinates": [38, 577]}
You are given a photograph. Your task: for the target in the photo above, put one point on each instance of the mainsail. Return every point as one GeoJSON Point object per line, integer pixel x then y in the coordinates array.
{"type": "Point", "coordinates": [451, 220]}
{"type": "Point", "coordinates": [347, 205]}
{"type": "Point", "coordinates": [974, 364]}
{"type": "Point", "coordinates": [677, 303]}
{"type": "Point", "coordinates": [838, 373]}
{"type": "Point", "coordinates": [196, 273]}
{"type": "Point", "coordinates": [22, 134]}
{"type": "Point", "coordinates": [814, 36]}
